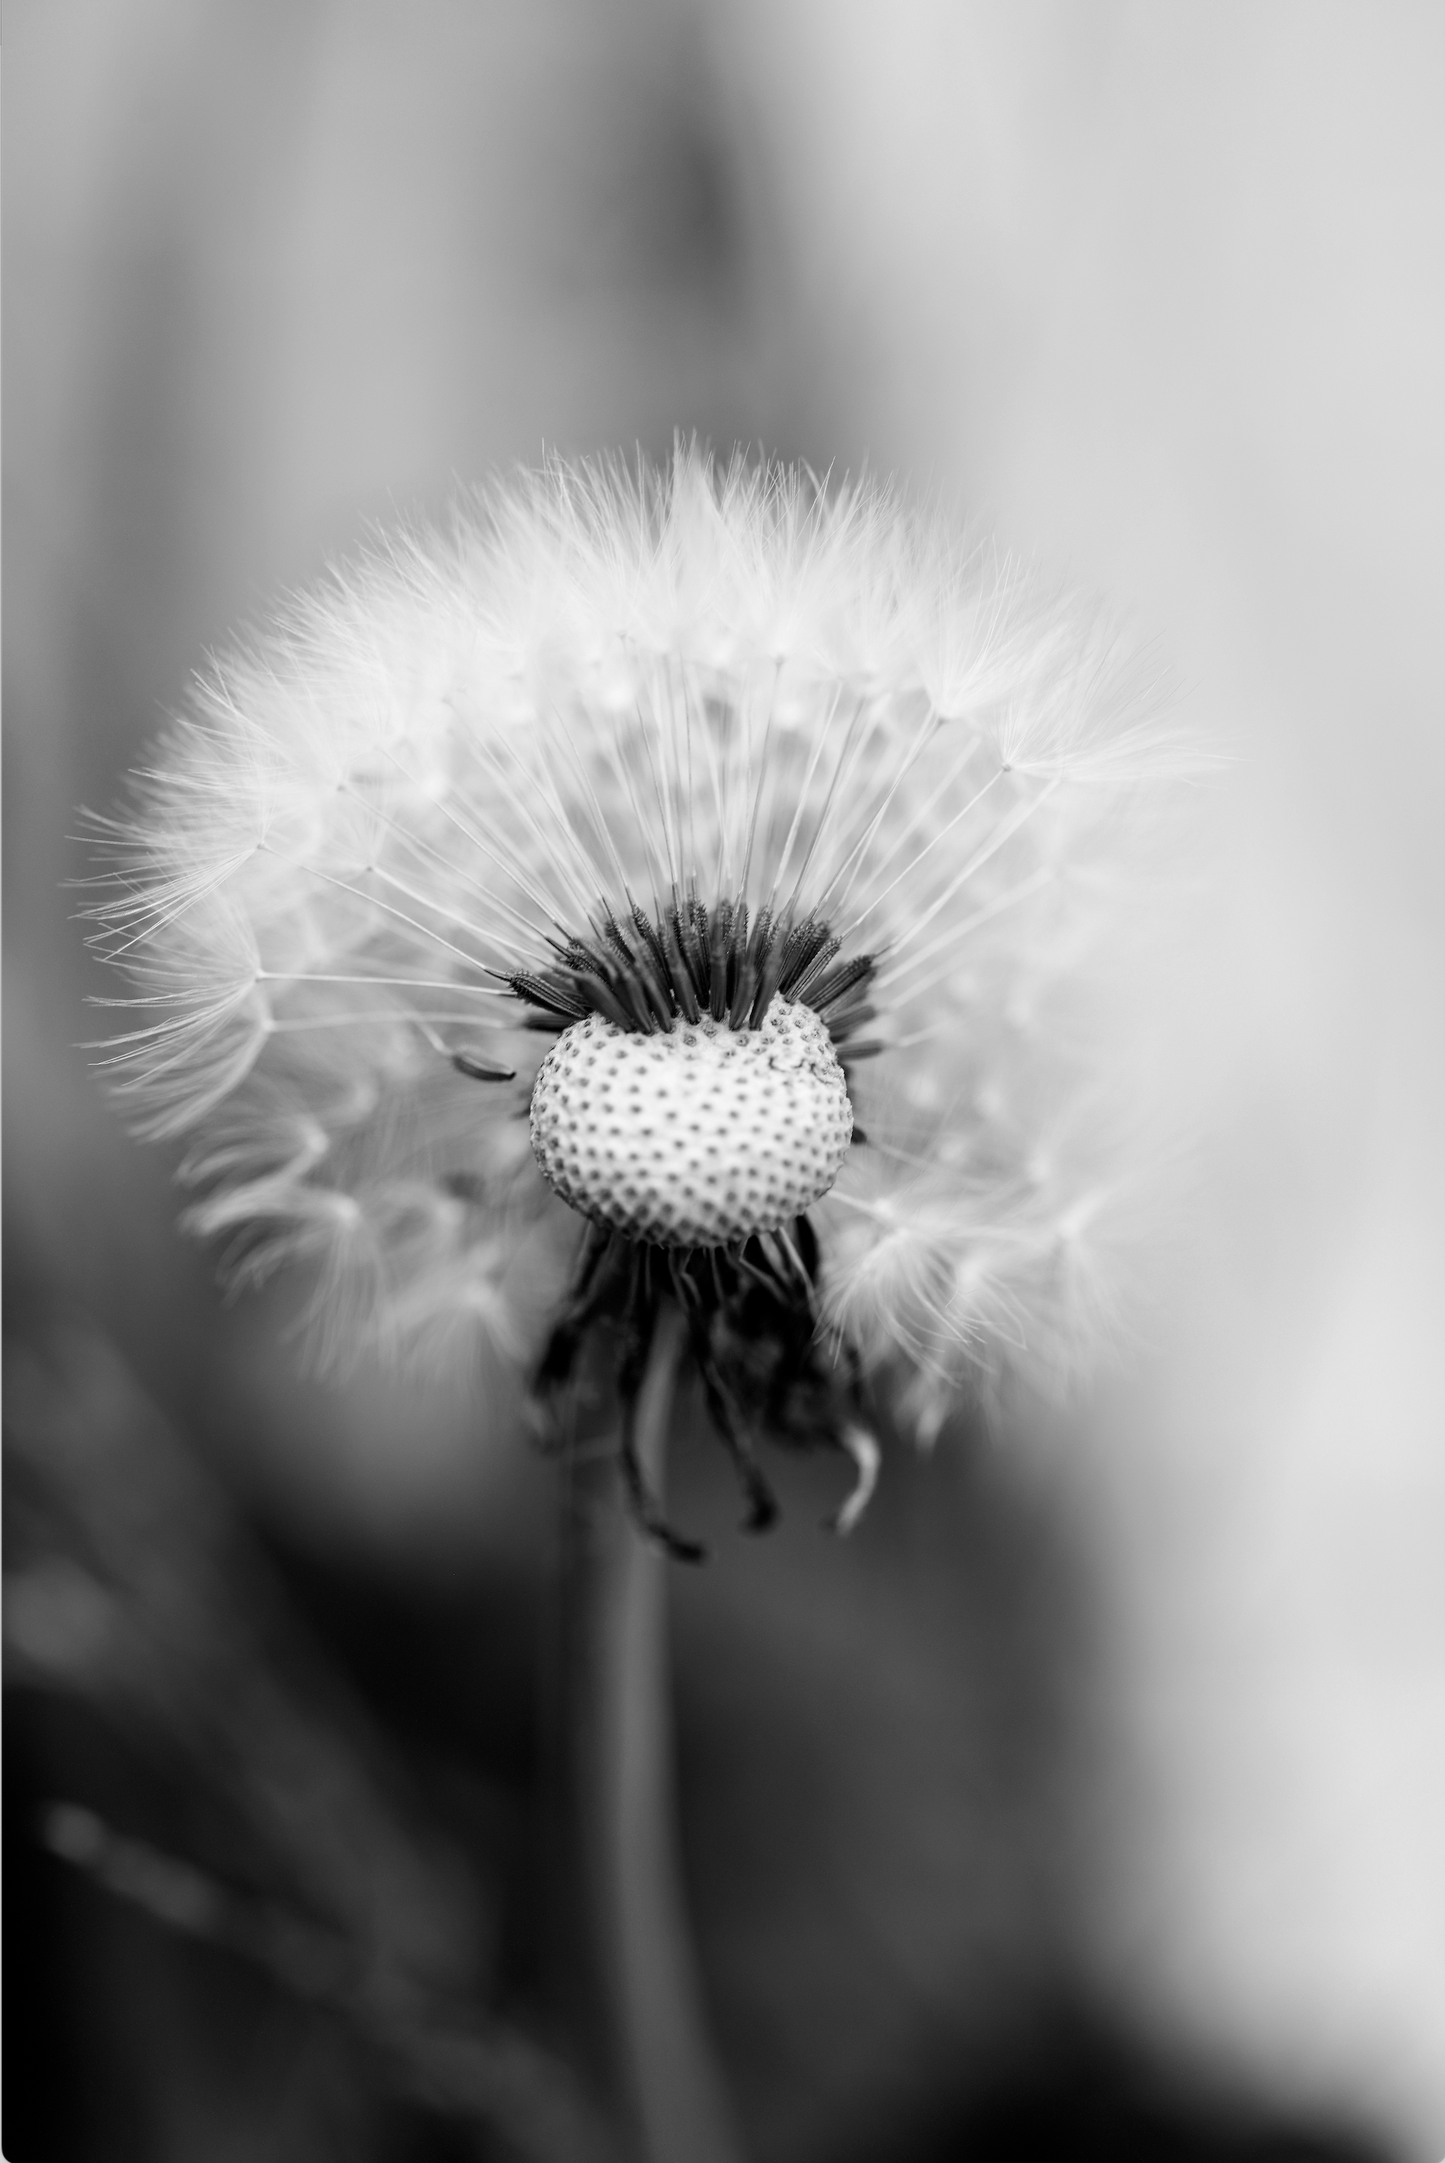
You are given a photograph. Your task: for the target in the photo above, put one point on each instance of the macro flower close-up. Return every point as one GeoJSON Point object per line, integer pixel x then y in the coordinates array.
{"type": "Point", "coordinates": [739, 860]}
{"type": "Point", "coordinates": [723, 1178]}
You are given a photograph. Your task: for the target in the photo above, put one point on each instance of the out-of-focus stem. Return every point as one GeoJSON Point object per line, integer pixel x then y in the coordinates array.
{"type": "Point", "coordinates": [662, 2074]}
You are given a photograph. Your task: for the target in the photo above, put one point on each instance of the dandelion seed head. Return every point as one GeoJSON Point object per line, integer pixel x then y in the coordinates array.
{"type": "Point", "coordinates": [626, 757]}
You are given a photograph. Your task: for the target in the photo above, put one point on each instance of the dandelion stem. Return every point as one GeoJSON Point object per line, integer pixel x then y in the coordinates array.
{"type": "Point", "coordinates": [656, 2057]}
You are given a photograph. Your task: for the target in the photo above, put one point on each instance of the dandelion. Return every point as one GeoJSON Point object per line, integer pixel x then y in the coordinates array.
{"type": "Point", "coordinates": [800, 827]}
{"type": "Point", "coordinates": [676, 912]}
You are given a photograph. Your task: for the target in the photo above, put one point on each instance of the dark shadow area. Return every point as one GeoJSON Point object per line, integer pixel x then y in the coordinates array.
{"type": "Point", "coordinates": [276, 1824]}
{"type": "Point", "coordinates": [1089, 2095]}
{"type": "Point", "coordinates": [269, 1827]}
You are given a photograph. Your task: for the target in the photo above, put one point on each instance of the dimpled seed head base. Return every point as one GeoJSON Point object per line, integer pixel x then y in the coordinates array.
{"type": "Point", "coordinates": [698, 1137]}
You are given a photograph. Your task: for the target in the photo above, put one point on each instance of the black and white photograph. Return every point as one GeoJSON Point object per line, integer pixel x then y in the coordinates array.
{"type": "Point", "coordinates": [724, 1081]}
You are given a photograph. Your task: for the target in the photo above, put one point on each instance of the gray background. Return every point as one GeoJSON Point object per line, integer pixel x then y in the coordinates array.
{"type": "Point", "coordinates": [1155, 291]}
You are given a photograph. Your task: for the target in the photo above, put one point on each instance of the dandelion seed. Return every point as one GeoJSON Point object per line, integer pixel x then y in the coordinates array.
{"type": "Point", "coordinates": [786, 816]}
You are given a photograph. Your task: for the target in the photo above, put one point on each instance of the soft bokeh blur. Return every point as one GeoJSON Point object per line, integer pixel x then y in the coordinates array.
{"type": "Point", "coordinates": [1129, 1725]}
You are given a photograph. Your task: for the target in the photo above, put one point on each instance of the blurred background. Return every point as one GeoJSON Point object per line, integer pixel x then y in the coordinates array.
{"type": "Point", "coordinates": [1090, 1801]}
